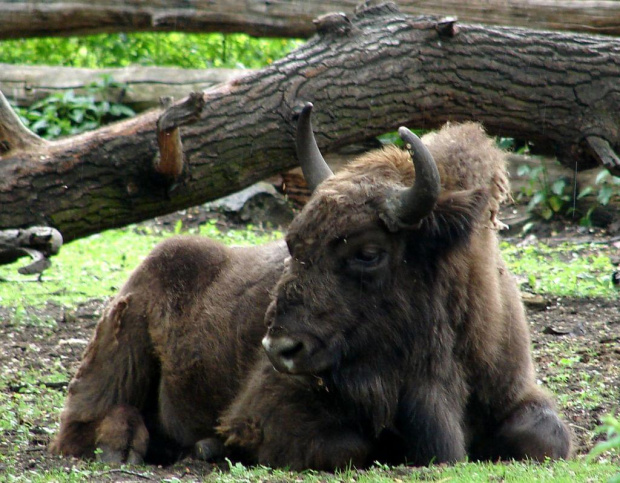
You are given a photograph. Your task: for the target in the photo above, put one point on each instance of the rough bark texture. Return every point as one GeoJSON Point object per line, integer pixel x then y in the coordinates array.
{"type": "Point", "coordinates": [143, 86]}
{"type": "Point", "coordinates": [365, 77]}
{"type": "Point", "coordinates": [285, 18]}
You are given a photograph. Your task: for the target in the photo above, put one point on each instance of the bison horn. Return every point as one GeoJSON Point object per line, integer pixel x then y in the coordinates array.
{"type": "Point", "coordinates": [313, 165]}
{"type": "Point", "coordinates": [415, 203]}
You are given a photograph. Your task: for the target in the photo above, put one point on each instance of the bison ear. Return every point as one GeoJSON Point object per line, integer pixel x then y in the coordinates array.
{"type": "Point", "coordinates": [455, 217]}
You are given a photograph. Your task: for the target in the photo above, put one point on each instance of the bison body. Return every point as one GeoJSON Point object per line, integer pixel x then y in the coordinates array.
{"type": "Point", "coordinates": [391, 330]}
{"type": "Point", "coordinates": [169, 351]}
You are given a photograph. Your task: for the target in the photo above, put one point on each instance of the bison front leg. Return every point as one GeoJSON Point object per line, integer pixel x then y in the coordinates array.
{"type": "Point", "coordinates": [533, 430]}
{"type": "Point", "coordinates": [281, 421]}
{"type": "Point", "coordinates": [122, 437]}
{"type": "Point", "coordinates": [298, 442]}
{"type": "Point", "coordinates": [108, 392]}
{"type": "Point", "coordinates": [430, 421]}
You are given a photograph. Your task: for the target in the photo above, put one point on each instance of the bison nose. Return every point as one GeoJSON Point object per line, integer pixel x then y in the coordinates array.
{"type": "Point", "coordinates": [282, 351]}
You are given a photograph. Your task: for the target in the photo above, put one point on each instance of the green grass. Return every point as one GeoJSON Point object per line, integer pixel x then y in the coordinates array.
{"type": "Point", "coordinates": [575, 270]}
{"type": "Point", "coordinates": [96, 267]}
{"type": "Point", "coordinates": [558, 472]}
{"type": "Point", "coordinates": [565, 363]}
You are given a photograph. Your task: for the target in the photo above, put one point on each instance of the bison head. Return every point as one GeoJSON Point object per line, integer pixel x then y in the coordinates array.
{"type": "Point", "coordinates": [363, 257]}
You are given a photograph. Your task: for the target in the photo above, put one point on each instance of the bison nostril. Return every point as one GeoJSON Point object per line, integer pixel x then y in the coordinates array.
{"type": "Point", "coordinates": [282, 347]}
{"type": "Point", "coordinates": [290, 352]}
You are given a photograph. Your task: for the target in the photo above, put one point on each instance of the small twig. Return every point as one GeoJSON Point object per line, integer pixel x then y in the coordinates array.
{"type": "Point", "coordinates": [126, 472]}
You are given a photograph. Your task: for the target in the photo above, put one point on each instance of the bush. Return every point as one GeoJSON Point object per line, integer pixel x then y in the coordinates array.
{"type": "Point", "coordinates": [65, 113]}
{"type": "Point", "coordinates": [174, 49]}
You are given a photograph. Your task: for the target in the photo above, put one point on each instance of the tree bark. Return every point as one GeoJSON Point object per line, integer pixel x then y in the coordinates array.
{"type": "Point", "coordinates": [366, 76]}
{"type": "Point", "coordinates": [143, 86]}
{"type": "Point", "coordinates": [284, 18]}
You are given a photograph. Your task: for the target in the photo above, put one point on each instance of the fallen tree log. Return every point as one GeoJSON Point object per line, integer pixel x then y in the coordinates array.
{"type": "Point", "coordinates": [366, 76]}
{"type": "Point", "coordinates": [142, 87]}
{"type": "Point", "coordinates": [292, 18]}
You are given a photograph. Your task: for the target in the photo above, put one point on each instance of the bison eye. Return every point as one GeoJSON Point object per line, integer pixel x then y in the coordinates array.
{"type": "Point", "coordinates": [368, 256]}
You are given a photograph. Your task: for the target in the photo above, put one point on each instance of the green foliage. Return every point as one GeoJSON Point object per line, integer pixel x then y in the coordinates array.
{"type": "Point", "coordinates": [548, 199]}
{"type": "Point", "coordinates": [607, 187]}
{"type": "Point", "coordinates": [196, 51]}
{"type": "Point", "coordinates": [66, 113]}
{"type": "Point", "coordinates": [556, 199]}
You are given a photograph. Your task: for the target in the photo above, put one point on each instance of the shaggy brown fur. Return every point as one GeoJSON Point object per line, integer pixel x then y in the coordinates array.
{"type": "Point", "coordinates": [391, 343]}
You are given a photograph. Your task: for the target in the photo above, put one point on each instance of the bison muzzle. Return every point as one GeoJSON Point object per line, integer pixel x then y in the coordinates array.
{"type": "Point", "coordinates": [387, 328]}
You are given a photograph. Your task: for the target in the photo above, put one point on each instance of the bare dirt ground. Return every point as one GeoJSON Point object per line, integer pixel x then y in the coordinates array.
{"type": "Point", "coordinates": [576, 345]}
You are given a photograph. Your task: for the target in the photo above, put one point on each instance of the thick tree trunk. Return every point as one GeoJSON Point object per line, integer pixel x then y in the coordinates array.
{"type": "Point", "coordinates": [366, 76]}
{"type": "Point", "coordinates": [284, 18]}
{"type": "Point", "coordinates": [142, 86]}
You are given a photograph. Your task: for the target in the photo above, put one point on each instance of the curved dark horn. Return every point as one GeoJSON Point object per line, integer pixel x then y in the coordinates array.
{"type": "Point", "coordinates": [419, 200]}
{"type": "Point", "coordinates": [313, 165]}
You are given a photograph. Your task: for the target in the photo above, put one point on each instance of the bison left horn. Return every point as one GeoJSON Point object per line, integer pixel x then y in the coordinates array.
{"type": "Point", "coordinates": [413, 204]}
{"type": "Point", "coordinates": [313, 165]}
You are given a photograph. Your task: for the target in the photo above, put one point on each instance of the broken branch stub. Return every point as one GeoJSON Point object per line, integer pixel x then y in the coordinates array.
{"type": "Point", "coordinates": [37, 242]}
{"type": "Point", "coordinates": [604, 154]}
{"type": "Point", "coordinates": [169, 163]}
{"type": "Point", "coordinates": [13, 134]}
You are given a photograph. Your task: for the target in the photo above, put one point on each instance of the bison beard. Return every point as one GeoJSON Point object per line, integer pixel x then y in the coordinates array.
{"type": "Point", "coordinates": [394, 331]}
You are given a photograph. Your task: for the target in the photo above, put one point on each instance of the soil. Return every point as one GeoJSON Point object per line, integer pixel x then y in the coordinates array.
{"type": "Point", "coordinates": [574, 340]}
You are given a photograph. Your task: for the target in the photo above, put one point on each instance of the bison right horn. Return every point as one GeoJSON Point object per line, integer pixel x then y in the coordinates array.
{"type": "Point", "coordinates": [313, 165]}
{"type": "Point", "coordinates": [413, 204]}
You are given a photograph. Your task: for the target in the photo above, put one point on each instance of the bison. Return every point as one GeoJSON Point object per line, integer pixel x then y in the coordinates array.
{"type": "Point", "coordinates": [391, 329]}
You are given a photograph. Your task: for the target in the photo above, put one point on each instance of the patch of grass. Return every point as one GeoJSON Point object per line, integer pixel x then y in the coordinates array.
{"type": "Point", "coordinates": [576, 388]}
{"type": "Point", "coordinates": [557, 472]}
{"type": "Point", "coordinates": [26, 396]}
{"type": "Point", "coordinates": [96, 267]}
{"type": "Point", "coordinates": [582, 270]}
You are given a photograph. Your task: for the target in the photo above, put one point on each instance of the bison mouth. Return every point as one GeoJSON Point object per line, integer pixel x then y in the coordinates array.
{"type": "Point", "coordinates": [298, 355]}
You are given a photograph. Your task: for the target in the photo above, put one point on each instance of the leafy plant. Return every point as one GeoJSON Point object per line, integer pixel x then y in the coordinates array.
{"type": "Point", "coordinates": [555, 199]}
{"type": "Point", "coordinates": [66, 113]}
{"type": "Point", "coordinates": [547, 199]}
{"type": "Point", "coordinates": [606, 186]}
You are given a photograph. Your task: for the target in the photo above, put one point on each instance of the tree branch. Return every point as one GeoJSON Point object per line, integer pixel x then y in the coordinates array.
{"type": "Point", "coordinates": [388, 69]}
{"type": "Point", "coordinates": [291, 18]}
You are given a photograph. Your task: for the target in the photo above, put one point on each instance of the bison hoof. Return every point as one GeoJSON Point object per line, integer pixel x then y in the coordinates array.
{"type": "Point", "coordinates": [208, 449]}
{"type": "Point", "coordinates": [110, 456]}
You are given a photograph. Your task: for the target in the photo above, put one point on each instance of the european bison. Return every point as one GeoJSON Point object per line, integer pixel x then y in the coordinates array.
{"type": "Point", "coordinates": [394, 331]}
